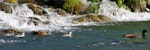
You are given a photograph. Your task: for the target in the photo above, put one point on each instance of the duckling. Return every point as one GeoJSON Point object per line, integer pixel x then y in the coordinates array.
{"type": "Point", "coordinates": [136, 35]}
{"type": "Point", "coordinates": [68, 34]}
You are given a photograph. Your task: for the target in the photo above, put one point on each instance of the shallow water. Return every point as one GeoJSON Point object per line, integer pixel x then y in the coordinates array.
{"type": "Point", "coordinates": [109, 37]}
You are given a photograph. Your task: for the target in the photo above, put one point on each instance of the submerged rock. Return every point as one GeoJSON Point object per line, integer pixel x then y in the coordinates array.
{"type": "Point", "coordinates": [6, 8]}
{"type": "Point", "coordinates": [104, 18]}
{"type": "Point", "coordinates": [94, 18]}
{"type": "Point", "coordinates": [34, 20]}
{"type": "Point", "coordinates": [78, 20]}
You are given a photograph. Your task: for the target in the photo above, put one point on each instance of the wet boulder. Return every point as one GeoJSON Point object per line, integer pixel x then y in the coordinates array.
{"type": "Point", "coordinates": [12, 1]}
{"type": "Point", "coordinates": [36, 9]}
{"type": "Point", "coordinates": [61, 12]}
{"type": "Point", "coordinates": [104, 18]}
{"type": "Point", "coordinates": [34, 20]}
{"type": "Point", "coordinates": [94, 18]}
{"type": "Point", "coordinates": [6, 8]}
{"type": "Point", "coordinates": [81, 19]}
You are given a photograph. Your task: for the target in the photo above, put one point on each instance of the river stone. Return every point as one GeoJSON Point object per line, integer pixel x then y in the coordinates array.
{"type": "Point", "coordinates": [61, 12]}
{"type": "Point", "coordinates": [36, 9]}
{"type": "Point", "coordinates": [82, 19]}
{"type": "Point", "coordinates": [94, 18]}
{"type": "Point", "coordinates": [104, 18]}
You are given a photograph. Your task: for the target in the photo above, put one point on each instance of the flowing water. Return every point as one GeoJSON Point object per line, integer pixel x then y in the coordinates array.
{"type": "Point", "coordinates": [109, 37]}
{"type": "Point", "coordinates": [85, 36]}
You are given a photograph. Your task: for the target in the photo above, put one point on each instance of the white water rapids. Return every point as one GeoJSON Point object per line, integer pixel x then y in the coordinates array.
{"type": "Point", "coordinates": [18, 19]}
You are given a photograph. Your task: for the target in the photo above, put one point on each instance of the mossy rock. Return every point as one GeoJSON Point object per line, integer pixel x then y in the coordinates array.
{"type": "Point", "coordinates": [12, 1]}
{"type": "Point", "coordinates": [73, 6]}
{"type": "Point", "coordinates": [6, 8]}
{"type": "Point", "coordinates": [61, 12]}
{"type": "Point", "coordinates": [94, 18]}
{"type": "Point", "coordinates": [81, 19]}
{"type": "Point", "coordinates": [104, 18]}
{"type": "Point", "coordinates": [29, 1]}
{"type": "Point", "coordinates": [36, 9]}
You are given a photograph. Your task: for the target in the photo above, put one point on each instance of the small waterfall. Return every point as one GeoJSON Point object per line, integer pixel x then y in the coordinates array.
{"type": "Point", "coordinates": [111, 10]}
{"type": "Point", "coordinates": [19, 19]}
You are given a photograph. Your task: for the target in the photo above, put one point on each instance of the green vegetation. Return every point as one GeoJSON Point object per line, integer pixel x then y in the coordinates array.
{"type": "Point", "coordinates": [92, 8]}
{"type": "Point", "coordinates": [134, 5]}
{"type": "Point", "coordinates": [119, 3]}
{"type": "Point", "coordinates": [73, 6]}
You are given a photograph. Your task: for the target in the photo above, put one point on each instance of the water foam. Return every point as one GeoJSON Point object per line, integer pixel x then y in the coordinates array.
{"type": "Point", "coordinates": [19, 18]}
{"type": "Point", "coordinates": [111, 10]}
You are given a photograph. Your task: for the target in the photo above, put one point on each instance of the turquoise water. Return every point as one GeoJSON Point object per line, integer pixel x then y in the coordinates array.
{"type": "Point", "coordinates": [108, 37]}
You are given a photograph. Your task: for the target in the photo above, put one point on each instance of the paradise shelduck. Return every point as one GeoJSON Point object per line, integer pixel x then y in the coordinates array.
{"type": "Point", "coordinates": [136, 35]}
{"type": "Point", "coordinates": [40, 33]}
{"type": "Point", "coordinates": [68, 34]}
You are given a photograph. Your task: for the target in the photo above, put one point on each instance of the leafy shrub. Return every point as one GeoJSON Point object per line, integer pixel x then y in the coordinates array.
{"type": "Point", "coordinates": [73, 6]}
